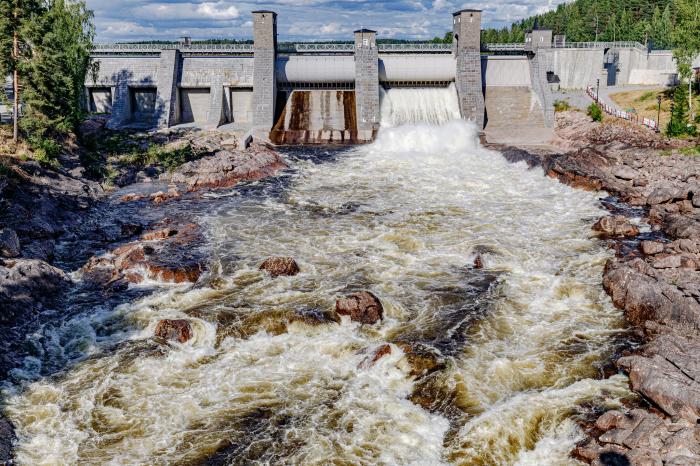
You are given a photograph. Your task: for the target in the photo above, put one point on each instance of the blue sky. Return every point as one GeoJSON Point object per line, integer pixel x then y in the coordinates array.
{"type": "Point", "coordinates": [298, 19]}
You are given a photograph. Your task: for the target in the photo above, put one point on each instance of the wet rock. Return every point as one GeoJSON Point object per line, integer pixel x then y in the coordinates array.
{"type": "Point", "coordinates": [9, 243]}
{"type": "Point", "coordinates": [625, 173]}
{"type": "Point", "coordinates": [227, 168]}
{"type": "Point", "coordinates": [131, 197]}
{"type": "Point", "coordinates": [174, 330]}
{"type": "Point", "coordinates": [377, 354]}
{"type": "Point", "coordinates": [650, 248]}
{"type": "Point", "coordinates": [280, 266]}
{"type": "Point", "coordinates": [478, 262]}
{"type": "Point", "coordinates": [661, 195]}
{"type": "Point", "coordinates": [615, 226]}
{"type": "Point", "coordinates": [363, 307]}
{"type": "Point", "coordinates": [314, 317]}
{"type": "Point", "coordinates": [165, 255]}
{"type": "Point", "coordinates": [668, 373]}
{"type": "Point", "coordinates": [7, 437]}
{"type": "Point", "coordinates": [26, 286]}
{"type": "Point", "coordinates": [423, 359]}
{"type": "Point", "coordinates": [161, 196]}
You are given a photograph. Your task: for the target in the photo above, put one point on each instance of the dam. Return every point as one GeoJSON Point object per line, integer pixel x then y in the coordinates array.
{"type": "Point", "coordinates": [335, 92]}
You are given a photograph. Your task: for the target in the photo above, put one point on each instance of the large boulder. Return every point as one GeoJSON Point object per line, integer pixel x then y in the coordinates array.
{"type": "Point", "coordinates": [363, 307]}
{"type": "Point", "coordinates": [9, 243]}
{"type": "Point", "coordinates": [26, 286]}
{"type": "Point", "coordinates": [280, 266]}
{"type": "Point", "coordinates": [615, 226]}
{"type": "Point", "coordinates": [661, 195]}
{"type": "Point", "coordinates": [174, 330]}
{"type": "Point", "coordinates": [625, 172]}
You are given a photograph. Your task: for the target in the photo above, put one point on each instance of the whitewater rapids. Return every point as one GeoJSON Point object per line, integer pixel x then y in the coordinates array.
{"type": "Point", "coordinates": [403, 218]}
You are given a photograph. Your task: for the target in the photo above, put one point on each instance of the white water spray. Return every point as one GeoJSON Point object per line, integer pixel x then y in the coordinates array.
{"type": "Point", "coordinates": [431, 105]}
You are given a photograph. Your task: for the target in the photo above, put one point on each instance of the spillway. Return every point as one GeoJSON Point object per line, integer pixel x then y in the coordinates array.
{"type": "Point", "coordinates": [521, 341]}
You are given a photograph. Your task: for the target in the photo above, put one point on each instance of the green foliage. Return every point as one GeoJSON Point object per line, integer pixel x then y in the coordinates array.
{"type": "Point", "coordinates": [605, 20]}
{"type": "Point", "coordinates": [561, 105]}
{"type": "Point", "coordinates": [679, 124]}
{"type": "Point", "coordinates": [61, 40]}
{"type": "Point", "coordinates": [595, 112]}
{"type": "Point", "coordinates": [646, 96]}
{"type": "Point", "coordinates": [692, 151]}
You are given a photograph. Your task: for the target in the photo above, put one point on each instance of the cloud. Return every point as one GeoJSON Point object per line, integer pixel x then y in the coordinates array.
{"type": "Point", "coordinates": [123, 20]}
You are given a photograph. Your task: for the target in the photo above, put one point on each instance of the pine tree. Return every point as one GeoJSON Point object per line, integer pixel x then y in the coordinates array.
{"type": "Point", "coordinates": [55, 73]}
{"type": "Point", "coordinates": [686, 36]}
{"type": "Point", "coordinates": [679, 124]}
{"type": "Point", "coordinates": [15, 17]}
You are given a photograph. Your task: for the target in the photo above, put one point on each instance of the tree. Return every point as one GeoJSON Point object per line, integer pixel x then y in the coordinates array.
{"type": "Point", "coordinates": [686, 36]}
{"type": "Point", "coordinates": [679, 125]}
{"type": "Point", "coordinates": [61, 42]}
{"type": "Point", "coordinates": [15, 17]}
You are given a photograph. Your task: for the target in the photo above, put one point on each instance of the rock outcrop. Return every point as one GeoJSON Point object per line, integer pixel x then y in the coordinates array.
{"type": "Point", "coordinates": [615, 226]}
{"type": "Point", "coordinates": [228, 167]}
{"type": "Point", "coordinates": [7, 436]}
{"type": "Point", "coordinates": [280, 266]}
{"type": "Point", "coordinates": [363, 307]}
{"type": "Point", "coordinates": [165, 254]}
{"type": "Point", "coordinates": [174, 330]}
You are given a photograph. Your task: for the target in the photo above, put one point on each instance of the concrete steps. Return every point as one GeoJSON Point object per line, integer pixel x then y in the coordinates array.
{"type": "Point", "coordinates": [514, 114]}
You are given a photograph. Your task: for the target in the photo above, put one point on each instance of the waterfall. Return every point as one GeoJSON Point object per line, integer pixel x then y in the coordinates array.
{"type": "Point", "coordinates": [433, 105]}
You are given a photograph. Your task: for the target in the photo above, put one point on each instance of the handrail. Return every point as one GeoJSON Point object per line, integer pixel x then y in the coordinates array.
{"type": "Point", "coordinates": [511, 47]}
{"type": "Point", "coordinates": [598, 45]}
{"type": "Point", "coordinates": [415, 47]}
{"type": "Point", "coordinates": [157, 48]}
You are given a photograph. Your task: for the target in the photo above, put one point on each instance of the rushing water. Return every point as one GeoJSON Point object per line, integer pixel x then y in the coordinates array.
{"type": "Point", "coordinates": [404, 218]}
{"type": "Point", "coordinates": [436, 105]}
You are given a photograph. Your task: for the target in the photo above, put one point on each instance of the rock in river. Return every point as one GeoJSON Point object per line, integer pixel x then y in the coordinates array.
{"type": "Point", "coordinates": [174, 330]}
{"type": "Point", "coordinates": [617, 225]}
{"type": "Point", "coordinates": [279, 266]}
{"type": "Point", "coordinates": [363, 307]}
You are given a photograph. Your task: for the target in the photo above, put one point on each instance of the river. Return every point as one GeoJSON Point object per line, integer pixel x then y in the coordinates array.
{"type": "Point", "coordinates": [522, 341]}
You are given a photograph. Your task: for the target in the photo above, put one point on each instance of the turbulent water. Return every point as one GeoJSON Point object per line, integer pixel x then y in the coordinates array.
{"type": "Point", "coordinates": [522, 339]}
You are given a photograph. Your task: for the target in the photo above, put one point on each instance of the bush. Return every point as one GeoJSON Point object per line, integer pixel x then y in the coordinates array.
{"type": "Point", "coordinates": [561, 105]}
{"type": "Point", "coordinates": [595, 112]}
{"type": "Point", "coordinates": [680, 124]}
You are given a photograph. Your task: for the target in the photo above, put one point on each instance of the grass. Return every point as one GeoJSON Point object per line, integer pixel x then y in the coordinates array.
{"type": "Point", "coordinates": [644, 103]}
{"type": "Point", "coordinates": [561, 105]}
{"type": "Point", "coordinates": [692, 151]}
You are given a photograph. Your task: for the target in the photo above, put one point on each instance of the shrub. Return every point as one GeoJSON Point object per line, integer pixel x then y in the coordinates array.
{"type": "Point", "coordinates": [680, 124]}
{"type": "Point", "coordinates": [595, 112]}
{"type": "Point", "coordinates": [561, 105]}
{"type": "Point", "coordinates": [646, 96]}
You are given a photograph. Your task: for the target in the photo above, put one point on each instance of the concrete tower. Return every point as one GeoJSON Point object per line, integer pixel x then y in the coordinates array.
{"type": "Point", "coordinates": [466, 46]}
{"type": "Point", "coordinates": [366, 83]}
{"type": "Point", "coordinates": [264, 80]}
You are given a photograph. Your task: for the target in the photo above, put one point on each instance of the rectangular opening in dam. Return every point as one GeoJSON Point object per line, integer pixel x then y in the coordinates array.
{"type": "Point", "coordinates": [194, 105]}
{"type": "Point", "coordinates": [242, 104]}
{"type": "Point", "coordinates": [143, 103]}
{"type": "Point", "coordinates": [101, 100]}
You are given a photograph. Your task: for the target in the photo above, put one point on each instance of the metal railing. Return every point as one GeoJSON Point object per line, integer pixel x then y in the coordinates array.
{"type": "Point", "coordinates": [157, 48]}
{"type": "Point", "coordinates": [316, 47]}
{"type": "Point", "coordinates": [416, 47]}
{"type": "Point", "coordinates": [599, 45]}
{"type": "Point", "coordinates": [517, 47]}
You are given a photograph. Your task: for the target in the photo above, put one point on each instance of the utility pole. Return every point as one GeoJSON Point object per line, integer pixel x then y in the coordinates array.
{"type": "Point", "coordinates": [658, 113]}
{"type": "Point", "coordinates": [15, 79]}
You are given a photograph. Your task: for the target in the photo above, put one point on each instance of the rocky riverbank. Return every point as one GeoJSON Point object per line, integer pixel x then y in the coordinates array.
{"type": "Point", "coordinates": [42, 208]}
{"type": "Point", "coordinates": [654, 279]}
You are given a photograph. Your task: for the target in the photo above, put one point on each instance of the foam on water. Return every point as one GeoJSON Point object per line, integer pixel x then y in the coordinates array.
{"type": "Point", "coordinates": [433, 105]}
{"type": "Point", "coordinates": [402, 217]}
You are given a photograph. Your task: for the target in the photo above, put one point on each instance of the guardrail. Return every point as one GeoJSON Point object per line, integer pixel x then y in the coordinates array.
{"type": "Point", "coordinates": [518, 47]}
{"type": "Point", "coordinates": [632, 117]}
{"type": "Point", "coordinates": [157, 48]}
{"type": "Point", "coordinates": [316, 47]}
{"type": "Point", "coordinates": [601, 45]}
{"type": "Point", "coordinates": [416, 47]}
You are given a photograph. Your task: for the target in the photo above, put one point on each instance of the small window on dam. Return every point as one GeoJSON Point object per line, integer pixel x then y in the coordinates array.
{"type": "Point", "coordinates": [101, 100]}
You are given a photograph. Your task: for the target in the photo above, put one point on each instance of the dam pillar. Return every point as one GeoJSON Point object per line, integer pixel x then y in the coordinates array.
{"type": "Point", "coordinates": [166, 97]}
{"type": "Point", "coordinates": [539, 43]}
{"type": "Point", "coordinates": [366, 83]}
{"type": "Point", "coordinates": [466, 46]}
{"type": "Point", "coordinates": [264, 80]}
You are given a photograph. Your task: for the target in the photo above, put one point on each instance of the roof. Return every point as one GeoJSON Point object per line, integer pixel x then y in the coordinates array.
{"type": "Point", "coordinates": [466, 10]}
{"type": "Point", "coordinates": [264, 11]}
{"type": "Point", "coordinates": [365, 31]}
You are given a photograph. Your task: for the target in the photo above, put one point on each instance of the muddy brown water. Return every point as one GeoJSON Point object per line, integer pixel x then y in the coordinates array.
{"type": "Point", "coordinates": [522, 341]}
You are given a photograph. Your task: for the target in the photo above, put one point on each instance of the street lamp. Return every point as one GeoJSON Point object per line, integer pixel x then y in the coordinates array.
{"type": "Point", "coordinates": [597, 90]}
{"type": "Point", "coordinates": [658, 114]}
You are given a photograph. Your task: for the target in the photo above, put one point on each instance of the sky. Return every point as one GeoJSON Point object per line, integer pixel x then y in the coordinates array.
{"type": "Point", "coordinates": [123, 20]}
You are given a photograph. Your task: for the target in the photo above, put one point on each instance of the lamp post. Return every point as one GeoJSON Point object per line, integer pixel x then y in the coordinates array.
{"type": "Point", "coordinates": [658, 114]}
{"type": "Point", "coordinates": [597, 90]}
